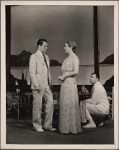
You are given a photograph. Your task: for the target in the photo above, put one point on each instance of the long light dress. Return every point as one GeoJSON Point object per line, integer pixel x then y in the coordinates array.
{"type": "Point", "coordinates": [69, 112]}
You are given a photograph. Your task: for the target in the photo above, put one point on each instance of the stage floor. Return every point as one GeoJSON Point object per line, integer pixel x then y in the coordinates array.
{"type": "Point", "coordinates": [21, 132]}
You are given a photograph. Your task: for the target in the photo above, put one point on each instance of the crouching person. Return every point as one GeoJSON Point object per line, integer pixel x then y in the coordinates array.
{"type": "Point", "coordinates": [98, 104]}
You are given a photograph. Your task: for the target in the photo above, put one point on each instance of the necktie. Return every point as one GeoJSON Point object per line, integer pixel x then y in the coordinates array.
{"type": "Point", "coordinates": [45, 60]}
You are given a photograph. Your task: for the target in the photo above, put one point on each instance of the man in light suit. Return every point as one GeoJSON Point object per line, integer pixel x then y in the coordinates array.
{"type": "Point", "coordinates": [98, 104]}
{"type": "Point", "coordinates": [41, 88]}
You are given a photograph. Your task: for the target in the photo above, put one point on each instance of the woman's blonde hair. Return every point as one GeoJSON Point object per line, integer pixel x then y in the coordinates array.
{"type": "Point", "coordinates": [72, 44]}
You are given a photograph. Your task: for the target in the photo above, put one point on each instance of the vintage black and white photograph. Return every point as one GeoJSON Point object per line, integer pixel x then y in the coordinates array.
{"type": "Point", "coordinates": [59, 74]}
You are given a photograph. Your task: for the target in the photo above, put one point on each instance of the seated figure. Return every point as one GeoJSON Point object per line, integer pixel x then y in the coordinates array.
{"type": "Point", "coordinates": [98, 104]}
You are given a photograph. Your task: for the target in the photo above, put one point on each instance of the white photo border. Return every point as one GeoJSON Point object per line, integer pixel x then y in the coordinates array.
{"type": "Point", "coordinates": [3, 75]}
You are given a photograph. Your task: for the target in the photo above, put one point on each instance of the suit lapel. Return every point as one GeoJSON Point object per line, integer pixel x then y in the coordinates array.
{"type": "Point", "coordinates": [40, 58]}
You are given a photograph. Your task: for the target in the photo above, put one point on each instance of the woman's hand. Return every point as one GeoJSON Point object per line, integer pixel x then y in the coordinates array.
{"type": "Point", "coordinates": [61, 78]}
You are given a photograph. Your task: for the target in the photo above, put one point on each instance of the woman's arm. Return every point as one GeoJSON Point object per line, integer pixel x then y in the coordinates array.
{"type": "Point", "coordinates": [72, 73]}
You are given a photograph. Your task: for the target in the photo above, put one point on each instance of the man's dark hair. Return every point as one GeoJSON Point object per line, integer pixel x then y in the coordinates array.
{"type": "Point", "coordinates": [97, 75]}
{"type": "Point", "coordinates": [40, 41]}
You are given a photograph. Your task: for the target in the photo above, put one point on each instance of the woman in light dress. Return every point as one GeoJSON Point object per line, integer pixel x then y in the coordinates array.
{"type": "Point", "coordinates": [69, 113]}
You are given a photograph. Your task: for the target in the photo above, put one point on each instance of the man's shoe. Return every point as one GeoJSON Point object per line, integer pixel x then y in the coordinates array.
{"type": "Point", "coordinates": [39, 130]}
{"type": "Point", "coordinates": [52, 129]}
{"type": "Point", "coordinates": [83, 123]}
{"type": "Point", "coordinates": [89, 126]}
{"type": "Point", "coordinates": [101, 124]}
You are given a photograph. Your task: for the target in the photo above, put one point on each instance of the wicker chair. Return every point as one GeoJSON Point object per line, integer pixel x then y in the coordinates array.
{"type": "Point", "coordinates": [17, 101]}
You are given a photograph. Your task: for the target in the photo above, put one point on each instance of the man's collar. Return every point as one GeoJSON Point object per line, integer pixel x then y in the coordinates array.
{"type": "Point", "coordinates": [39, 52]}
{"type": "Point", "coordinates": [97, 83]}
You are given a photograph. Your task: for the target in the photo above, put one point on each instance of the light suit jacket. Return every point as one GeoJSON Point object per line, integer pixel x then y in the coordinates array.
{"type": "Point", "coordinates": [39, 73]}
{"type": "Point", "coordinates": [99, 98]}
